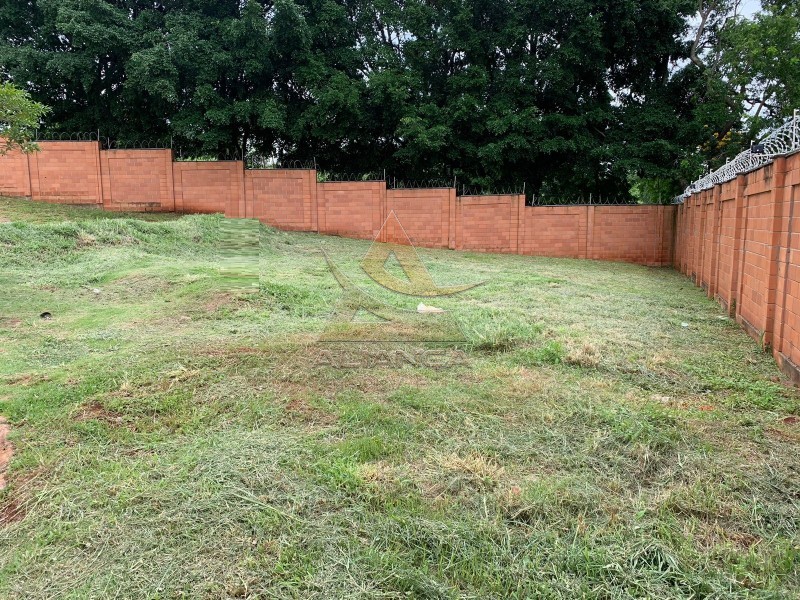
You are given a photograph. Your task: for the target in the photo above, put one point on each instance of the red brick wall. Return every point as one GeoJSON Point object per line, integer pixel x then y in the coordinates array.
{"type": "Point", "coordinates": [725, 279]}
{"type": "Point", "coordinates": [787, 313]}
{"type": "Point", "coordinates": [754, 284]}
{"type": "Point", "coordinates": [67, 172]}
{"type": "Point", "coordinates": [710, 237]}
{"type": "Point", "coordinates": [136, 180]}
{"type": "Point", "coordinates": [140, 180]}
{"type": "Point", "coordinates": [687, 234]}
{"type": "Point", "coordinates": [488, 223]}
{"type": "Point", "coordinates": [351, 208]}
{"type": "Point", "coordinates": [638, 234]}
{"type": "Point", "coordinates": [742, 241]}
{"type": "Point", "coordinates": [558, 231]}
{"type": "Point", "coordinates": [284, 198]}
{"type": "Point", "coordinates": [14, 175]}
{"type": "Point", "coordinates": [425, 214]}
{"type": "Point", "coordinates": [208, 187]}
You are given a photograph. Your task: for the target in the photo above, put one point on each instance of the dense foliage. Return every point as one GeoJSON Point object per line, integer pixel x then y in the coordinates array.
{"type": "Point", "coordinates": [568, 96]}
{"type": "Point", "coordinates": [19, 118]}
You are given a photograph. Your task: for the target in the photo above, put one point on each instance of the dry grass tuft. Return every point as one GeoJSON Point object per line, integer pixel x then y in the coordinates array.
{"type": "Point", "coordinates": [586, 356]}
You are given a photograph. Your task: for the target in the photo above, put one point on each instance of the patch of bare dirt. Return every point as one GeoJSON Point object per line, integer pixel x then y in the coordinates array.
{"type": "Point", "coordinates": [6, 450]}
{"type": "Point", "coordinates": [782, 435]}
{"type": "Point", "coordinates": [97, 412]}
{"type": "Point", "coordinates": [11, 512]}
{"type": "Point", "coordinates": [10, 322]}
{"type": "Point", "coordinates": [25, 379]}
{"type": "Point", "coordinates": [217, 301]}
{"type": "Point", "coordinates": [299, 410]}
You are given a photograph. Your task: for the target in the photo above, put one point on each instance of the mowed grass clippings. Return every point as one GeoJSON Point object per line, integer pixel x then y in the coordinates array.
{"type": "Point", "coordinates": [180, 436]}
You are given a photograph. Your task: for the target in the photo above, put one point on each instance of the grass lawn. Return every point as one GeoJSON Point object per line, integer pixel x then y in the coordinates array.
{"type": "Point", "coordinates": [605, 432]}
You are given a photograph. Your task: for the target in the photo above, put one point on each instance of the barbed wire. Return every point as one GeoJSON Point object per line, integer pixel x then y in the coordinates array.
{"type": "Point", "coordinates": [67, 136]}
{"type": "Point", "coordinates": [413, 184]}
{"type": "Point", "coordinates": [466, 190]}
{"type": "Point", "coordinates": [147, 144]}
{"type": "Point", "coordinates": [331, 177]}
{"type": "Point", "coordinates": [783, 140]}
{"type": "Point", "coordinates": [257, 161]}
{"type": "Point", "coordinates": [181, 155]}
{"type": "Point", "coordinates": [591, 200]}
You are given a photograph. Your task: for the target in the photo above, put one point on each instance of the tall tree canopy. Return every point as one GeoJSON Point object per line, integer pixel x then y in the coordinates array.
{"type": "Point", "coordinates": [746, 73]}
{"type": "Point", "coordinates": [568, 96]}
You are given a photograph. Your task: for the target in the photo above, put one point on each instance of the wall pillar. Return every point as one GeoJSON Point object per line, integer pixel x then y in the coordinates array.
{"type": "Point", "coordinates": [716, 216]}
{"type": "Point", "coordinates": [452, 221]}
{"type": "Point", "coordinates": [589, 248]}
{"type": "Point", "coordinates": [738, 241]}
{"type": "Point", "coordinates": [778, 220]}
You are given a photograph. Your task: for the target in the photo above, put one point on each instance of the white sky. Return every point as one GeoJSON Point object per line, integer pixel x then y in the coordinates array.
{"type": "Point", "coordinates": [749, 7]}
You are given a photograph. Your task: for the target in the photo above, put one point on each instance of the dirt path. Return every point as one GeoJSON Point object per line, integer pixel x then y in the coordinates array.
{"type": "Point", "coordinates": [6, 450]}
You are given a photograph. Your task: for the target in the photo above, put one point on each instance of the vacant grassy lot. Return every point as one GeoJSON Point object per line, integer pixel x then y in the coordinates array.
{"type": "Point", "coordinates": [606, 433]}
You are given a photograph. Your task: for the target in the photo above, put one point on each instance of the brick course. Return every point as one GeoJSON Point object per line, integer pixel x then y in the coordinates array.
{"type": "Point", "coordinates": [425, 214]}
{"type": "Point", "coordinates": [137, 180]}
{"type": "Point", "coordinates": [488, 223]}
{"type": "Point", "coordinates": [15, 175]}
{"type": "Point", "coordinates": [351, 208]}
{"type": "Point", "coordinates": [66, 172]}
{"type": "Point", "coordinates": [207, 187]}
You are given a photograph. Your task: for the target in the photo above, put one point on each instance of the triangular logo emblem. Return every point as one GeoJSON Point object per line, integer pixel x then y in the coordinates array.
{"type": "Point", "coordinates": [394, 324]}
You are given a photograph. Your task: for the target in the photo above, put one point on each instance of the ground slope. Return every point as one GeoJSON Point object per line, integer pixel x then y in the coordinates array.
{"type": "Point", "coordinates": [605, 432]}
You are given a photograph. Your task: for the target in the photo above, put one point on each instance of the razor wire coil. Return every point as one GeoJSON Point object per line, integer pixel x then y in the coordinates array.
{"type": "Point", "coordinates": [783, 140]}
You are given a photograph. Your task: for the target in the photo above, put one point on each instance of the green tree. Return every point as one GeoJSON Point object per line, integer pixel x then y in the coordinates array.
{"type": "Point", "coordinates": [570, 97]}
{"type": "Point", "coordinates": [745, 75]}
{"type": "Point", "coordinates": [760, 61]}
{"type": "Point", "coordinates": [19, 118]}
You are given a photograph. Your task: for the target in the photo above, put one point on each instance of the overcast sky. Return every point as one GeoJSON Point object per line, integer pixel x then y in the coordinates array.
{"type": "Point", "coordinates": [750, 6]}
